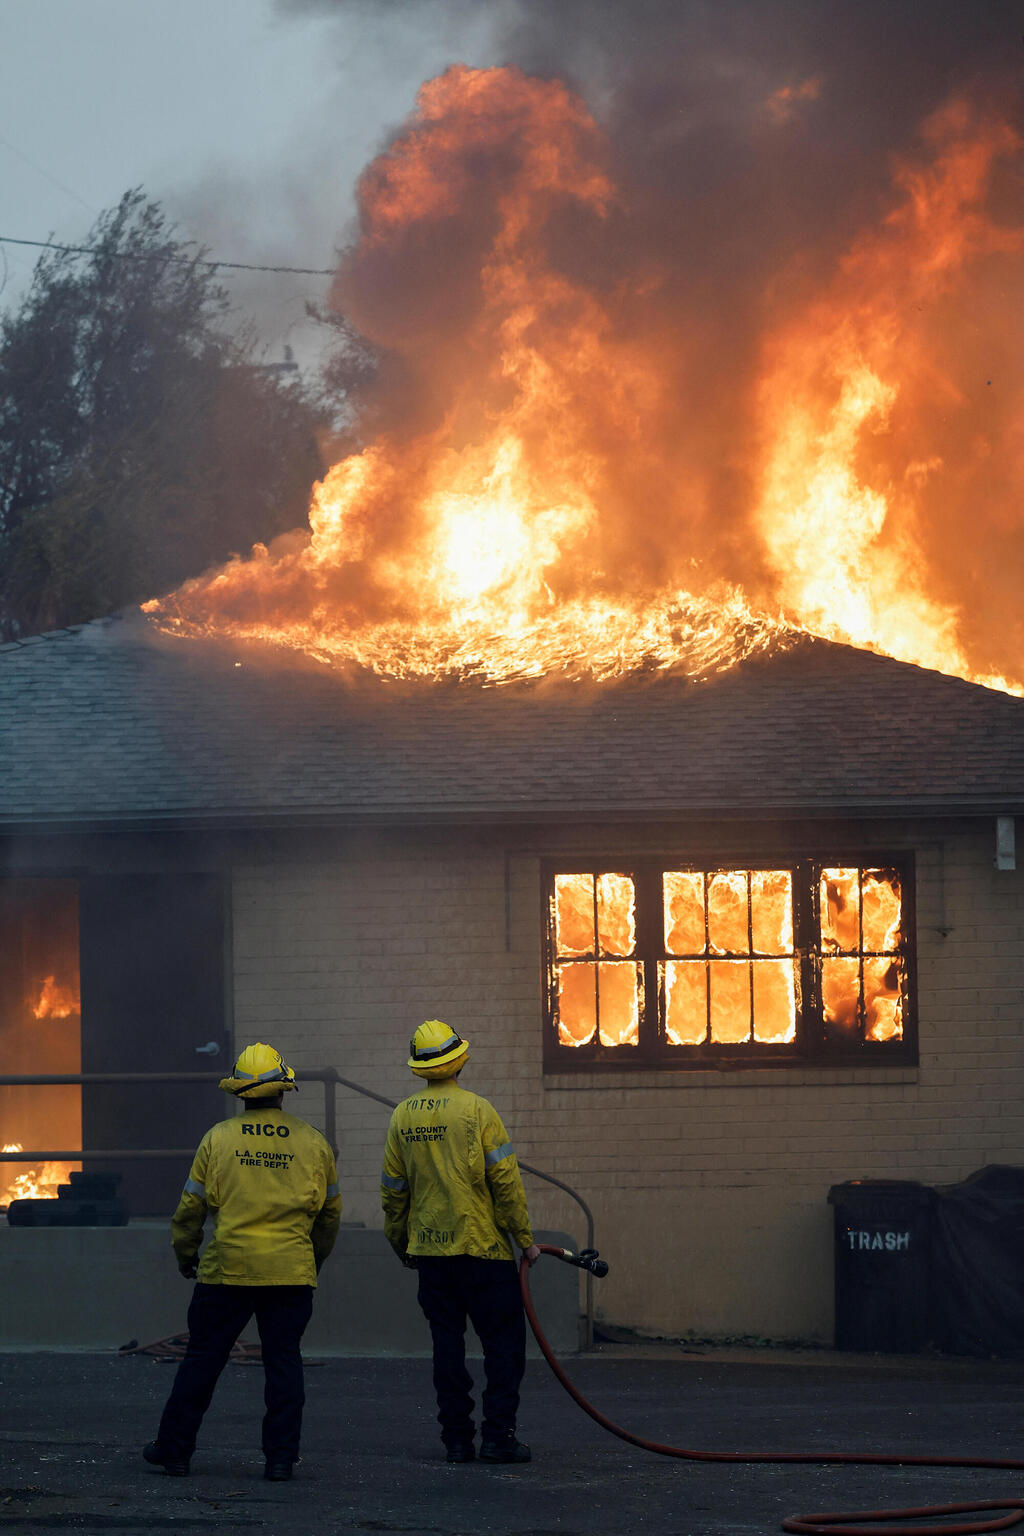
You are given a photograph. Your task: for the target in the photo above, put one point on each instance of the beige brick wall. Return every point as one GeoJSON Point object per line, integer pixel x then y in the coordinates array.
{"type": "Point", "coordinates": [709, 1190]}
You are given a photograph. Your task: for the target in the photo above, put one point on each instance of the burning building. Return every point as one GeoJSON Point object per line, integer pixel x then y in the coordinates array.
{"type": "Point", "coordinates": [718, 944]}
{"type": "Point", "coordinates": [643, 697]}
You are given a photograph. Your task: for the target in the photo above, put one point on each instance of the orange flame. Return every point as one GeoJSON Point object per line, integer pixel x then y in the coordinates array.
{"type": "Point", "coordinates": [56, 1000]}
{"type": "Point", "coordinates": [861, 407]}
{"type": "Point", "coordinates": [35, 1183]}
{"type": "Point", "coordinates": [546, 499]}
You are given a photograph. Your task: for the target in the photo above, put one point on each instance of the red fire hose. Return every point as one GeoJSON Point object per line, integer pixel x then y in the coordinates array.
{"type": "Point", "coordinates": [810, 1525]}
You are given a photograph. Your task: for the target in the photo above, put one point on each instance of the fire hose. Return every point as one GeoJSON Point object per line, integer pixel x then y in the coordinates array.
{"type": "Point", "coordinates": [839, 1524]}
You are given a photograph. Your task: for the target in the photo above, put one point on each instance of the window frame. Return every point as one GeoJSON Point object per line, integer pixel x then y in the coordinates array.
{"type": "Point", "coordinates": [811, 1047]}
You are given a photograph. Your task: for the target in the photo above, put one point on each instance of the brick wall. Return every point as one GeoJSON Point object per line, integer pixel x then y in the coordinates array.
{"type": "Point", "coordinates": [709, 1190]}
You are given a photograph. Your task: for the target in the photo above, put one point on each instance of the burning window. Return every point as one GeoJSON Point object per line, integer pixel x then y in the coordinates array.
{"type": "Point", "coordinates": [672, 964]}
{"type": "Point", "coordinates": [597, 979]}
{"type": "Point", "coordinates": [732, 977]}
{"type": "Point", "coordinates": [40, 1030]}
{"type": "Point", "coordinates": [863, 982]}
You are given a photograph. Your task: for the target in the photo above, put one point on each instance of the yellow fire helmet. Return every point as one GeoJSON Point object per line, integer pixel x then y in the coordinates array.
{"type": "Point", "coordinates": [437, 1051]}
{"type": "Point", "coordinates": [259, 1073]}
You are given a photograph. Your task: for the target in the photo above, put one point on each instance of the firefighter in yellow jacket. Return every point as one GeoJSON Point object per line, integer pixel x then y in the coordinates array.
{"type": "Point", "coordinates": [452, 1197]}
{"type": "Point", "coordinates": [270, 1181]}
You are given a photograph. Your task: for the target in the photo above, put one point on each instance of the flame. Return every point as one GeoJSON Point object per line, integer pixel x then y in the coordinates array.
{"type": "Point", "coordinates": [861, 410]}
{"type": "Point", "coordinates": [861, 926]}
{"type": "Point", "coordinates": [541, 491]}
{"type": "Point", "coordinates": [56, 1000]}
{"type": "Point", "coordinates": [730, 975]}
{"type": "Point", "coordinates": [35, 1183]}
{"type": "Point", "coordinates": [743, 997]}
{"type": "Point", "coordinates": [595, 916]}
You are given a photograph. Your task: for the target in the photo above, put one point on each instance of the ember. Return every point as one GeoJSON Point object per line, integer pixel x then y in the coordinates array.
{"type": "Point", "coordinates": [546, 497]}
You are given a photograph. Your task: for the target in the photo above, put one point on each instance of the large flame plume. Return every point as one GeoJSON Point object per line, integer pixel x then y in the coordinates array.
{"type": "Point", "coordinates": [553, 478]}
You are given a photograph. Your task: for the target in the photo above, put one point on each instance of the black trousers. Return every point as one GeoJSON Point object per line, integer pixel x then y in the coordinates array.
{"type": "Point", "coordinates": [486, 1291]}
{"type": "Point", "coordinates": [216, 1316]}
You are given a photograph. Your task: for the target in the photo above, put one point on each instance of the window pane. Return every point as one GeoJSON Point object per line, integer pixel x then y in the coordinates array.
{"type": "Point", "coordinates": [616, 915]}
{"type": "Point", "coordinates": [683, 892]}
{"type": "Point", "coordinates": [774, 1002]}
{"type": "Point", "coordinates": [771, 911]}
{"type": "Point", "coordinates": [882, 910]}
{"type": "Point", "coordinates": [727, 913]}
{"type": "Point", "coordinates": [840, 911]}
{"type": "Point", "coordinates": [883, 998]}
{"type": "Point", "coordinates": [686, 1002]}
{"type": "Point", "coordinates": [577, 1005]}
{"type": "Point", "coordinates": [574, 915]}
{"type": "Point", "coordinates": [730, 1001]}
{"type": "Point", "coordinates": [618, 992]}
{"type": "Point", "coordinates": [840, 995]}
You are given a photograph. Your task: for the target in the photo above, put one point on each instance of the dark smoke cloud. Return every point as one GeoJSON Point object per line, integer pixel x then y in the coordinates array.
{"type": "Point", "coordinates": [714, 180]}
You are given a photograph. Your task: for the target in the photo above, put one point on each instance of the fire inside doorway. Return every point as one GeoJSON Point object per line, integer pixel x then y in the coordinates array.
{"type": "Point", "coordinates": [40, 1030]}
{"type": "Point", "coordinates": [111, 974]}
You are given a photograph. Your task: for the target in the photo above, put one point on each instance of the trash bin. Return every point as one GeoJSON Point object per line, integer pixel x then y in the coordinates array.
{"type": "Point", "coordinates": [977, 1265]}
{"type": "Point", "coordinates": [882, 1273]}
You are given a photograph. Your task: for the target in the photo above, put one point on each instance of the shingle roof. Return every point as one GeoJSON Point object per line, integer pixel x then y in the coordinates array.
{"type": "Point", "coordinates": [112, 723]}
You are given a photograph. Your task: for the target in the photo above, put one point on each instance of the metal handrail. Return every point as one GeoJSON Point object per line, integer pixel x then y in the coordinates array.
{"type": "Point", "coordinates": [325, 1075]}
{"type": "Point", "coordinates": [331, 1079]}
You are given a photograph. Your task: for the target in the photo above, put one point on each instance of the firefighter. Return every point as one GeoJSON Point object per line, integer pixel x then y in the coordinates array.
{"type": "Point", "coordinates": [452, 1195]}
{"type": "Point", "coordinates": [271, 1183]}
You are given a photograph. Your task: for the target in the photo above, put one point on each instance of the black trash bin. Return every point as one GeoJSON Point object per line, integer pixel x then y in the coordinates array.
{"type": "Point", "coordinates": [882, 1242]}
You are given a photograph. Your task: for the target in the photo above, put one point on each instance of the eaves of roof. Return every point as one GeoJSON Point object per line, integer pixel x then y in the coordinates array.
{"type": "Point", "coordinates": [508, 816]}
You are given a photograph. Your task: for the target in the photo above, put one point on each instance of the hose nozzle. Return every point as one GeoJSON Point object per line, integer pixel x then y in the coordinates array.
{"type": "Point", "coordinates": [587, 1258]}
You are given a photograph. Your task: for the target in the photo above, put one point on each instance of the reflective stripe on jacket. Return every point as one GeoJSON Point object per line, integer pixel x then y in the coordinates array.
{"type": "Point", "coordinates": [450, 1182]}
{"type": "Point", "coordinates": [272, 1186]}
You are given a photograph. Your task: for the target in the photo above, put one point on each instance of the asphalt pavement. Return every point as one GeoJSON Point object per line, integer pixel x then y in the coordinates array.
{"type": "Point", "coordinates": [72, 1425]}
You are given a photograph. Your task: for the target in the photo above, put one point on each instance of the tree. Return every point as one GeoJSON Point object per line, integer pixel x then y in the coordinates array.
{"type": "Point", "coordinates": [140, 442]}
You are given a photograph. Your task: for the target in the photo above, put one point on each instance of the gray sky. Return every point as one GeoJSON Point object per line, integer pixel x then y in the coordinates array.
{"type": "Point", "coordinates": [248, 122]}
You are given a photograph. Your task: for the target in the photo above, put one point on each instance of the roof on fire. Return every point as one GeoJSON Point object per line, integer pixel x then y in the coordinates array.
{"type": "Point", "coordinates": [112, 723]}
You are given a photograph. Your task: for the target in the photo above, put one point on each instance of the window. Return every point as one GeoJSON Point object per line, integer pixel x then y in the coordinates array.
{"type": "Point", "coordinates": [655, 964]}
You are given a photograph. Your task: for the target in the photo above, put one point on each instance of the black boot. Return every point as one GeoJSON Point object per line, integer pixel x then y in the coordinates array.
{"type": "Point", "coordinates": [173, 1463]}
{"type": "Point", "coordinates": [508, 1448]}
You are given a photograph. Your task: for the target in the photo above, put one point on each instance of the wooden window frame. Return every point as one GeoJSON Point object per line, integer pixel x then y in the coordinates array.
{"type": "Point", "coordinates": [812, 1046]}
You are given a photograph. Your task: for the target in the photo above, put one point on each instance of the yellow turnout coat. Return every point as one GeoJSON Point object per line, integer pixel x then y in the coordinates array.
{"type": "Point", "coordinates": [450, 1182]}
{"type": "Point", "coordinates": [272, 1186]}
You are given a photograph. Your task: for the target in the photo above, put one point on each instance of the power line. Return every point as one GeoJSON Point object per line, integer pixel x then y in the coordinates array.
{"type": "Point", "coordinates": [46, 175]}
{"type": "Point", "coordinates": [188, 261]}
